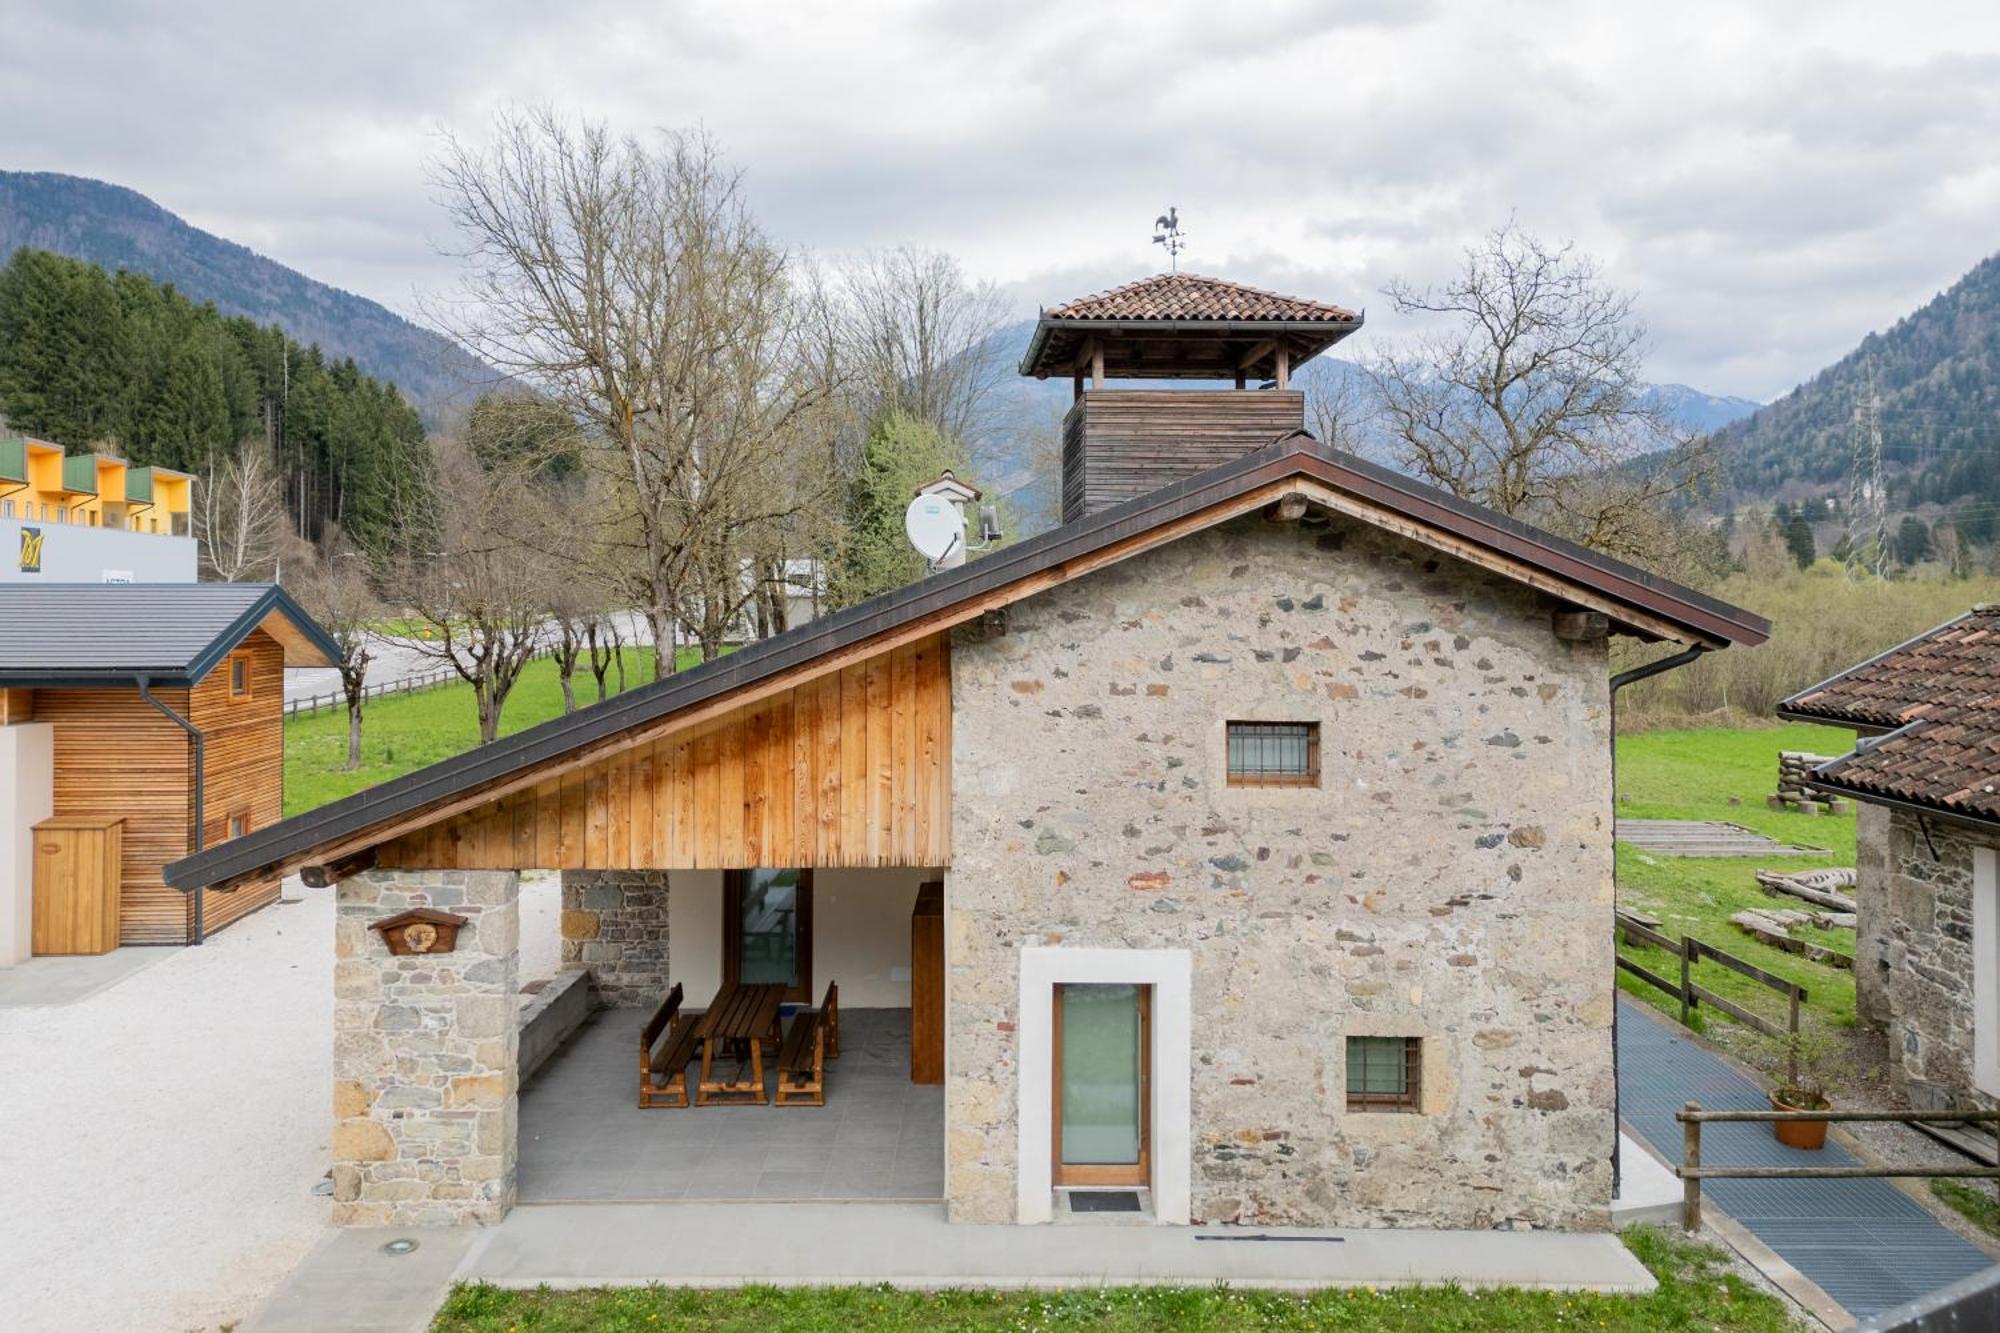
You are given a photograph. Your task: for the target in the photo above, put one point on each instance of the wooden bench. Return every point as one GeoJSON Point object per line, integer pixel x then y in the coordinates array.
{"type": "Point", "coordinates": [802, 1063]}
{"type": "Point", "coordinates": [651, 1062]}
{"type": "Point", "coordinates": [829, 1018]}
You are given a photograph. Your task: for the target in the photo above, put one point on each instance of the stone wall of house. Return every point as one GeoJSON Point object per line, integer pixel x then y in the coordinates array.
{"type": "Point", "coordinates": [425, 1050]}
{"type": "Point", "coordinates": [1871, 924]}
{"type": "Point", "coordinates": [614, 922]}
{"type": "Point", "coordinates": [1916, 946]}
{"type": "Point", "coordinates": [1450, 879]}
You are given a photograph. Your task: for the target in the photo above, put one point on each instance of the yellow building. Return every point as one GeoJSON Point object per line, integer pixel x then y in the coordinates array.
{"type": "Point", "coordinates": [40, 483]}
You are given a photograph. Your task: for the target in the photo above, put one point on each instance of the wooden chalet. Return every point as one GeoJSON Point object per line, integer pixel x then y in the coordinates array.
{"type": "Point", "coordinates": [158, 711]}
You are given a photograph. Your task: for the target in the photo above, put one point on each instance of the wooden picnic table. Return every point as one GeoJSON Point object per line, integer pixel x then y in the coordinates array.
{"type": "Point", "coordinates": [738, 1014]}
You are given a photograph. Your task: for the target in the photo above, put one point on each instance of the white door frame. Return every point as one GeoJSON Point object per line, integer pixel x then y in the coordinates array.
{"type": "Point", "coordinates": [1170, 974]}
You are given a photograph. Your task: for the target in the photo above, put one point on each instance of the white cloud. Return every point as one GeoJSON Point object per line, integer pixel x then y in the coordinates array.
{"type": "Point", "coordinates": [1773, 180]}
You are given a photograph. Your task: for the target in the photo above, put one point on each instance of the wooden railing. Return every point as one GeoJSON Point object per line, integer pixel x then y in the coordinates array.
{"type": "Point", "coordinates": [423, 680]}
{"type": "Point", "coordinates": [1692, 1172]}
{"type": "Point", "coordinates": [1692, 996]}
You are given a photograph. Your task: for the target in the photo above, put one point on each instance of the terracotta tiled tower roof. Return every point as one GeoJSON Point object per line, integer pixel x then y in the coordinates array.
{"type": "Point", "coordinates": [1189, 296]}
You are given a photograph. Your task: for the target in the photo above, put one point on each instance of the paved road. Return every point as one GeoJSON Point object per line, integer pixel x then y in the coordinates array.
{"type": "Point", "coordinates": [1864, 1242]}
{"type": "Point", "coordinates": [401, 659]}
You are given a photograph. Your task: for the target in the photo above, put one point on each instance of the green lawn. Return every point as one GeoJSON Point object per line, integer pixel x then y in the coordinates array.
{"type": "Point", "coordinates": [1696, 1292]}
{"type": "Point", "coordinates": [1692, 775]}
{"type": "Point", "coordinates": [403, 732]}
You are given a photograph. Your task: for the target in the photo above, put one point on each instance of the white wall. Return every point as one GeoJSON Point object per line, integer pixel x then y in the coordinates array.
{"type": "Point", "coordinates": [861, 933]}
{"type": "Point", "coordinates": [73, 553]}
{"type": "Point", "coordinates": [27, 796]}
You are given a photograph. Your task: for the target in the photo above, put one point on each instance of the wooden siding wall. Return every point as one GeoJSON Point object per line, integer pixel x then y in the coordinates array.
{"type": "Point", "coordinates": [1123, 443]}
{"type": "Point", "coordinates": [852, 768]}
{"type": "Point", "coordinates": [117, 758]}
{"type": "Point", "coordinates": [244, 745]}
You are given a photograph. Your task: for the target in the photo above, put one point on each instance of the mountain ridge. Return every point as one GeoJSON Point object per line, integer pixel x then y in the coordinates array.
{"type": "Point", "coordinates": [118, 227]}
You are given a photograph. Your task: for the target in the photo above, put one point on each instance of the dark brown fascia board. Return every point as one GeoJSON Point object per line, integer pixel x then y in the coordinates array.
{"type": "Point", "coordinates": [1317, 328]}
{"type": "Point", "coordinates": [1293, 455]}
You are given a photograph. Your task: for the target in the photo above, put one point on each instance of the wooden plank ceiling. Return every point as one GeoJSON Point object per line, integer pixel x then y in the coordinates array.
{"type": "Point", "coordinates": [850, 768]}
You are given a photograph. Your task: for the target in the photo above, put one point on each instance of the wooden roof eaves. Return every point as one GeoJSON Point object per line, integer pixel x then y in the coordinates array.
{"type": "Point", "coordinates": [469, 781]}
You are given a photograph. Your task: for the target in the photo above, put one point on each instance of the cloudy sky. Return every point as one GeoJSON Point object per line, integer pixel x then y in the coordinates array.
{"type": "Point", "coordinates": [1773, 179]}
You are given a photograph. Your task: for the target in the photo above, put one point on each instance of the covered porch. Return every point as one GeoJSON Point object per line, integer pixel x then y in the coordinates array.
{"type": "Point", "coordinates": [585, 1139]}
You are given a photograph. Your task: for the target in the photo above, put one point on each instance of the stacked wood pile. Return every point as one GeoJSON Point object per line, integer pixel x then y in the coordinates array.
{"type": "Point", "coordinates": [1774, 926]}
{"type": "Point", "coordinates": [1821, 887]}
{"type": "Point", "coordinates": [1795, 789]}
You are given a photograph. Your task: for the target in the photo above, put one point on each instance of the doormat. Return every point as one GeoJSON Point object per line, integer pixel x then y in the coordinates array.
{"type": "Point", "coordinates": [1104, 1201]}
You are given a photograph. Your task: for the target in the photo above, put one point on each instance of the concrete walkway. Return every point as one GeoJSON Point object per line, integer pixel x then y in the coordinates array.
{"type": "Point", "coordinates": [911, 1245]}
{"type": "Point", "coordinates": [1864, 1243]}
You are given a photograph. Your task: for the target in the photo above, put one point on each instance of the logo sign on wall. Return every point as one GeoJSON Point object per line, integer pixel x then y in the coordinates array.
{"type": "Point", "coordinates": [31, 550]}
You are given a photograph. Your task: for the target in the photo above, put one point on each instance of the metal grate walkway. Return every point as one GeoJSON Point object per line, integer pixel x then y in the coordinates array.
{"type": "Point", "coordinates": [1867, 1244]}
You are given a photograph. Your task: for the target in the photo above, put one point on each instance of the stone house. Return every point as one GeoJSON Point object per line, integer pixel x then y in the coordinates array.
{"type": "Point", "coordinates": [1924, 771]}
{"type": "Point", "coordinates": [1268, 801]}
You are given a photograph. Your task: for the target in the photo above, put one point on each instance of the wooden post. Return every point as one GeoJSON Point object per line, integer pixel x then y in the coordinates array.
{"type": "Point", "coordinates": [1076, 384]}
{"type": "Point", "coordinates": [1096, 364]}
{"type": "Point", "coordinates": [1691, 1185]}
{"type": "Point", "coordinates": [1792, 1046]}
{"type": "Point", "coordinates": [1687, 988]}
{"type": "Point", "coordinates": [1284, 367]}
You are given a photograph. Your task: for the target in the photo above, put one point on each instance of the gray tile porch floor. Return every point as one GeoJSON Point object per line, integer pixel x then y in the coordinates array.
{"type": "Point", "coordinates": [879, 1136]}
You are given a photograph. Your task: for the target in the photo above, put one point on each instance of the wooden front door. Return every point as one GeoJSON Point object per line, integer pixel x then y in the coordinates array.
{"type": "Point", "coordinates": [767, 931]}
{"type": "Point", "coordinates": [1103, 1039]}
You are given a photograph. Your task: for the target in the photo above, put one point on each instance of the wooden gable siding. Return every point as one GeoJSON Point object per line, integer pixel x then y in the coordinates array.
{"type": "Point", "coordinates": [244, 762]}
{"type": "Point", "coordinates": [117, 758]}
{"type": "Point", "coordinates": [850, 768]}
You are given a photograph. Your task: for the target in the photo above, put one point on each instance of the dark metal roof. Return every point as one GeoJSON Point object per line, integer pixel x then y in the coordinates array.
{"type": "Point", "coordinates": [78, 635]}
{"type": "Point", "coordinates": [1296, 455]}
{"type": "Point", "coordinates": [1938, 698]}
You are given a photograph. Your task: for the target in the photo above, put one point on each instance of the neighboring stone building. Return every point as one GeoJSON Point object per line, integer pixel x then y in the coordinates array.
{"type": "Point", "coordinates": [1265, 804]}
{"type": "Point", "coordinates": [1927, 948]}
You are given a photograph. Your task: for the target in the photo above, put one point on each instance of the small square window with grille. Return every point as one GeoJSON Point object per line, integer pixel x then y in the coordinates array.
{"type": "Point", "coordinates": [1384, 1073]}
{"type": "Point", "coordinates": [1274, 754]}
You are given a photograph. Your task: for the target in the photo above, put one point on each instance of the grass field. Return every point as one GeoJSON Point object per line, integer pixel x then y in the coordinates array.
{"type": "Point", "coordinates": [1696, 1291]}
{"type": "Point", "coordinates": [403, 732]}
{"type": "Point", "coordinates": [1692, 775]}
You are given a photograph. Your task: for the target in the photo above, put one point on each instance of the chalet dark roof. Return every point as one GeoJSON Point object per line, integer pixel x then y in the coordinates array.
{"type": "Point", "coordinates": [108, 634]}
{"type": "Point", "coordinates": [1183, 326]}
{"type": "Point", "coordinates": [1938, 699]}
{"type": "Point", "coordinates": [935, 600]}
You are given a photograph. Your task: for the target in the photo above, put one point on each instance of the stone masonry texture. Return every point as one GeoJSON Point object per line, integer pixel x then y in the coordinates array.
{"type": "Point", "coordinates": [614, 922]}
{"type": "Point", "coordinates": [1913, 953]}
{"type": "Point", "coordinates": [425, 1051]}
{"type": "Point", "coordinates": [1450, 878]}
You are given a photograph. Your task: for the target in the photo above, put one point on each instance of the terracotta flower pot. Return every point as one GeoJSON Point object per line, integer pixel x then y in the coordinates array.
{"type": "Point", "coordinates": [1807, 1134]}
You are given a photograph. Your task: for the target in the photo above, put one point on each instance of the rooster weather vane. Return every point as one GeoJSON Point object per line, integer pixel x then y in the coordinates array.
{"type": "Point", "coordinates": [1167, 232]}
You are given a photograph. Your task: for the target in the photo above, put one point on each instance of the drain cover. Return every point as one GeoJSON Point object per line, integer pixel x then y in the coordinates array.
{"type": "Point", "coordinates": [403, 1245]}
{"type": "Point", "coordinates": [1104, 1201]}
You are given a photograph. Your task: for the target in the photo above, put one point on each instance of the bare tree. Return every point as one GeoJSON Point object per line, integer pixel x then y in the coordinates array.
{"type": "Point", "coordinates": [334, 588]}
{"type": "Point", "coordinates": [606, 646]}
{"type": "Point", "coordinates": [1338, 403]}
{"type": "Point", "coordinates": [240, 524]}
{"type": "Point", "coordinates": [919, 338]}
{"type": "Point", "coordinates": [628, 281]}
{"type": "Point", "coordinates": [1525, 395]}
{"type": "Point", "coordinates": [484, 592]}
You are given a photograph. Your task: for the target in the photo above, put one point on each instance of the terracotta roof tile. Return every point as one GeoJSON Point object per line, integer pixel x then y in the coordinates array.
{"type": "Point", "coordinates": [1174, 296]}
{"type": "Point", "coordinates": [1939, 697]}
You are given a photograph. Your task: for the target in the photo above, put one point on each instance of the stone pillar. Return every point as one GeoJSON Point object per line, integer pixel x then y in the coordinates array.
{"type": "Point", "coordinates": [614, 922]}
{"type": "Point", "coordinates": [425, 1054]}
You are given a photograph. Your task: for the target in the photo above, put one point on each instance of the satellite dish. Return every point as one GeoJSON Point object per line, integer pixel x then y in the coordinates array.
{"type": "Point", "coordinates": [934, 526]}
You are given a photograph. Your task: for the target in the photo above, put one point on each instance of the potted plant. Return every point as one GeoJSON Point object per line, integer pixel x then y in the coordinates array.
{"type": "Point", "coordinates": [1811, 1059]}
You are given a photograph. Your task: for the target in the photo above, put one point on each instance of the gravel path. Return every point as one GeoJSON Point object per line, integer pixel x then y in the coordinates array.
{"type": "Point", "coordinates": [159, 1141]}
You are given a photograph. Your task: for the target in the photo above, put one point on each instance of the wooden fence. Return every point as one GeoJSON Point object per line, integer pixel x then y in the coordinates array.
{"type": "Point", "coordinates": [1692, 1172]}
{"type": "Point", "coordinates": [423, 680]}
{"type": "Point", "coordinates": [1692, 995]}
